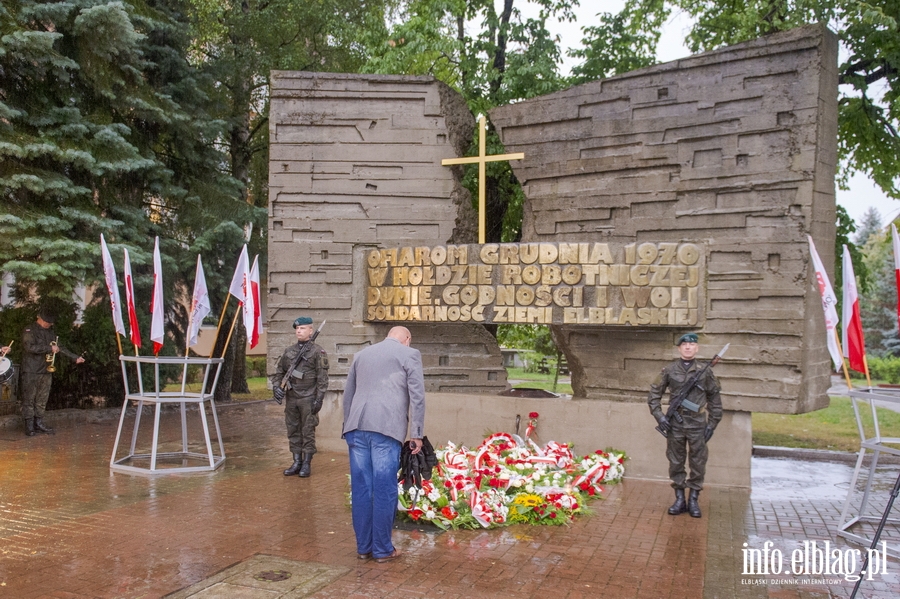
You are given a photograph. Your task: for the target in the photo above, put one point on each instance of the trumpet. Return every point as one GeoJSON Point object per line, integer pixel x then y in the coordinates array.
{"type": "Point", "coordinates": [51, 357]}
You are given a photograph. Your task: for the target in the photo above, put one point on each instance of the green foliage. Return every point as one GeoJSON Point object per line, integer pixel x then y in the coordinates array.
{"type": "Point", "coordinates": [845, 227]}
{"type": "Point", "coordinates": [108, 131]}
{"type": "Point", "coordinates": [622, 42]}
{"type": "Point", "coordinates": [503, 58]}
{"type": "Point", "coordinates": [885, 368]}
{"type": "Point", "coordinates": [869, 110]}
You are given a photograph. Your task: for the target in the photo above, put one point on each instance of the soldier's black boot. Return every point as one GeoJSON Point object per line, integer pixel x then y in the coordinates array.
{"type": "Point", "coordinates": [679, 507]}
{"type": "Point", "coordinates": [29, 427]}
{"type": "Point", "coordinates": [295, 467]}
{"type": "Point", "coordinates": [693, 507]}
{"type": "Point", "coordinates": [40, 427]}
{"type": "Point", "coordinates": [304, 469]}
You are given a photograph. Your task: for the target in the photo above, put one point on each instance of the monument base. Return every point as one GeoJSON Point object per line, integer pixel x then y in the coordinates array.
{"type": "Point", "coordinates": [589, 424]}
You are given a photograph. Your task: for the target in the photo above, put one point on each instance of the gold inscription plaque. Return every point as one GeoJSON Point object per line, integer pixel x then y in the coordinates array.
{"type": "Point", "coordinates": [640, 284]}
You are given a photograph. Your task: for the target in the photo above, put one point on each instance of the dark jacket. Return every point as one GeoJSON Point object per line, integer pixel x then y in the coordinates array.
{"type": "Point", "coordinates": [706, 393]}
{"type": "Point", "coordinates": [36, 345]}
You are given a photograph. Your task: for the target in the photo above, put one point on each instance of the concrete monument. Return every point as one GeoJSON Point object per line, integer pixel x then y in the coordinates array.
{"type": "Point", "coordinates": [669, 199]}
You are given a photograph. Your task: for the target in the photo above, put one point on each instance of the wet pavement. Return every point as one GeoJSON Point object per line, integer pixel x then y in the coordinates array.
{"type": "Point", "coordinates": [69, 528]}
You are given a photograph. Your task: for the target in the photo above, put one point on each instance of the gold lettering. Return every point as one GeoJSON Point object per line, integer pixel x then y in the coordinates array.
{"type": "Point", "coordinates": [489, 253]}
{"type": "Point", "coordinates": [531, 275]}
{"type": "Point", "coordinates": [373, 258]}
{"type": "Point", "coordinates": [561, 296]}
{"type": "Point", "coordinates": [524, 296]}
{"type": "Point", "coordinates": [543, 296]}
{"type": "Point", "coordinates": [400, 276]}
{"type": "Point", "coordinates": [406, 257]}
{"type": "Point", "coordinates": [509, 253]}
{"type": "Point", "coordinates": [450, 295]}
{"type": "Point", "coordinates": [638, 275]}
{"type": "Point", "coordinates": [528, 253]}
{"type": "Point", "coordinates": [511, 275]}
{"type": "Point", "coordinates": [660, 297]}
{"type": "Point", "coordinates": [600, 253]}
{"type": "Point", "coordinates": [506, 295]}
{"type": "Point", "coordinates": [486, 294]}
{"type": "Point", "coordinates": [423, 256]}
{"type": "Point", "coordinates": [442, 275]}
{"type": "Point", "coordinates": [438, 255]}
{"type": "Point", "coordinates": [571, 275]}
{"type": "Point", "coordinates": [568, 253]}
{"type": "Point", "coordinates": [550, 275]}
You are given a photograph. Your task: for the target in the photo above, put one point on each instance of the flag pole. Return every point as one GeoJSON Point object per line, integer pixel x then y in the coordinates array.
{"type": "Point", "coordinates": [212, 352]}
{"type": "Point", "coordinates": [866, 365]}
{"type": "Point", "coordinates": [119, 342]}
{"type": "Point", "coordinates": [231, 330]}
{"type": "Point", "coordinates": [837, 338]}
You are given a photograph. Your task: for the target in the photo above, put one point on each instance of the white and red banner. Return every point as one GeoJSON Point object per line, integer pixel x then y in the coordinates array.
{"type": "Point", "coordinates": [896, 244]}
{"type": "Point", "coordinates": [112, 286]}
{"type": "Point", "coordinates": [200, 305]}
{"type": "Point", "coordinates": [829, 305]}
{"type": "Point", "coordinates": [129, 299]}
{"type": "Point", "coordinates": [241, 289]}
{"type": "Point", "coordinates": [157, 323]}
{"type": "Point", "coordinates": [853, 340]}
{"type": "Point", "coordinates": [253, 337]}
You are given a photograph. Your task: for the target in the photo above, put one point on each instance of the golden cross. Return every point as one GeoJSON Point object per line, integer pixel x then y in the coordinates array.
{"type": "Point", "coordinates": [482, 159]}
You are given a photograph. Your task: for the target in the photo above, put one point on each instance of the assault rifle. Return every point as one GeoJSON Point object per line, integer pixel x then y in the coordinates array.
{"type": "Point", "coordinates": [286, 379]}
{"type": "Point", "coordinates": [681, 398]}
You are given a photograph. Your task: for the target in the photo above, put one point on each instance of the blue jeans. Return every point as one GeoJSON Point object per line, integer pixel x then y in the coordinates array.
{"type": "Point", "coordinates": [374, 462]}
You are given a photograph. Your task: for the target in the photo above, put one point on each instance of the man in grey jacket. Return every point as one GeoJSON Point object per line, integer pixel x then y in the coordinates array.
{"type": "Point", "coordinates": [383, 397]}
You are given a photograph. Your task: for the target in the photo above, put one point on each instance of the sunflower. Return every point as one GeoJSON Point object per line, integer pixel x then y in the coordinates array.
{"type": "Point", "coordinates": [528, 500]}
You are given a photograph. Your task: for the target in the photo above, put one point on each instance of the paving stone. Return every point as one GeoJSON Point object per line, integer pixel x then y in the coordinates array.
{"type": "Point", "coordinates": [71, 529]}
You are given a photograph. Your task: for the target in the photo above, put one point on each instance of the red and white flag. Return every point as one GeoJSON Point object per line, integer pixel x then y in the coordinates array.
{"type": "Point", "coordinates": [200, 305]}
{"type": "Point", "coordinates": [829, 303]}
{"type": "Point", "coordinates": [896, 241]}
{"type": "Point", "coordinates": [254, 292]}
{"type": "Point", "coordinates": [112, 285]}
{"type": "Point", "coordinates": [854, 343]}
{"type": "Point", "coordinates": [129, 300]}
{"type": "Point", "coordinates": [157, 323]}
{"type": "Point", "coordinates": [241, 289]}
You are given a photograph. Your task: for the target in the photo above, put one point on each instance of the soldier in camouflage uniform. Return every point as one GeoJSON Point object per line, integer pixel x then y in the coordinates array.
{"type": "Point", "coordinates": [36, 379]}
{"type": "Point", "coordinates": [304, 395]}
{"type": "Point", "coordinates": [689, 437]}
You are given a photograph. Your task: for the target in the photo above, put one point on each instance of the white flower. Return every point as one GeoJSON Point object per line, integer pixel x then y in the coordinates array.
{"type": "Point", "coordinates": [430, 514]}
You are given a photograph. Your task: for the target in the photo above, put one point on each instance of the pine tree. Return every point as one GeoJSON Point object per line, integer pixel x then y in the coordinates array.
{"type": "Point", "coordinates": [105, 127]}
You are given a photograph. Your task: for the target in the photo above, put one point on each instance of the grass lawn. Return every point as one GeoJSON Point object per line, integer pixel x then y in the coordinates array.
{"type": "Point", "coordinates": [534, 380]}
{"type": "Point", "coordinates": [833, 428]}
{"type": "Point", "coordinates": [257, 390]}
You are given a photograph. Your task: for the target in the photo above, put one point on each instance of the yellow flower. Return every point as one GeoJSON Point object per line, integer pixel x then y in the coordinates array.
{"type": "Point", "coordinates": [528, 500]}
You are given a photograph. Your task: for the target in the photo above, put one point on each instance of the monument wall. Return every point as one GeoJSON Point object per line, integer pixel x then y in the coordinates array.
{"type": "Point", "coordinates": [734, 150]}
{"type": "Point", "coordinates": [355, 164]}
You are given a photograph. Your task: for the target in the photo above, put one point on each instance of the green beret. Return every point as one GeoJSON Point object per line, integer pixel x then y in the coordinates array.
{"type": "Point", "coordinates": [687, 338]}
{"type": "Point", "coordinates": [302, 320]}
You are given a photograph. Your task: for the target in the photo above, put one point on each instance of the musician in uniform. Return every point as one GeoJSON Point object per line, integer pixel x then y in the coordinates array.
{"type": "Point", "coordinates": [39, 347]}
{"type": "Point", "coordinates": [700, 413]}
{"type": "Point", "coordinates": [303, 396]}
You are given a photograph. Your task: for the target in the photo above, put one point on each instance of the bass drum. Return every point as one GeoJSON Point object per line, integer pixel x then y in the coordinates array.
{"type": "Point", "coordinates": [6, 370]}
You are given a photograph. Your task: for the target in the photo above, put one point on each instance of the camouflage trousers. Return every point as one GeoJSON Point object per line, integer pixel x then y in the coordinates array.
{"type": "Point", "coordinates": [301, 424]}
{"type": "Point", "coordinates": [34, 392]}
{"type": "Point", "coordinates": [687, 442]}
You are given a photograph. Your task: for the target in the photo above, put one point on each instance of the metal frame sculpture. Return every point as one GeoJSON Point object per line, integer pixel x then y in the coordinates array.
{"type": "Point", "coordinates": [141, 395]}
{"type": "Point", "coordinates": [877, 444]}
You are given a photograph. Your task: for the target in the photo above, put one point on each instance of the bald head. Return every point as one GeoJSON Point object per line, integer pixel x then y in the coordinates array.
{"type": "Point", "coordinates": [401, 334]}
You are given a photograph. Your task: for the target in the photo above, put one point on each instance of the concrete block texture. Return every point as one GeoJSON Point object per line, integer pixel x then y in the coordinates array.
{"type": "Point", "coordinates": [733, 149]}
{"type": "Point", "coordinates": [355, 164]}
{"type": "Point", "coordinates": [589, 425]}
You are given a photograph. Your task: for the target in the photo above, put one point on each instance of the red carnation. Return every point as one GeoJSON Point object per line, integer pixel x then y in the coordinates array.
{"type": "Point", "coordinates": [533, 415]}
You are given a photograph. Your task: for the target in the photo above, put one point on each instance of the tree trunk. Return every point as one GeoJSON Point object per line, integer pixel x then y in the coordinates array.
{"type": "Point", "coordinates": [239, 367]}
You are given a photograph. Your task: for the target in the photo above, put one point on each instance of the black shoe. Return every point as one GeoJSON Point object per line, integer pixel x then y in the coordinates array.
{"type": "Point", "coordinates": [679, 507]}
{"type": "Point", "coordinates": [295, 467]}
{"type": "Point", "coordinates": [39, 426]}
{"type": "Point", "coordinates": [29, 427]}
{"type": "Point", "coordinates": [694, 504]}
{"type": "Point", "coordinates": [304, 469]}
